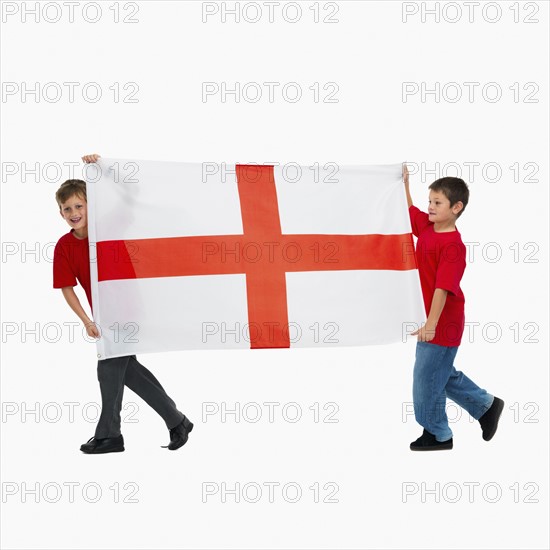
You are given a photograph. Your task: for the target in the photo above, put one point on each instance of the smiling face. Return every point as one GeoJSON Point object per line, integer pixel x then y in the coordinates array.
{"type": "Point", "coordinates": [440, 211]}
{"type": "Point", "coordinates": [74, 211]}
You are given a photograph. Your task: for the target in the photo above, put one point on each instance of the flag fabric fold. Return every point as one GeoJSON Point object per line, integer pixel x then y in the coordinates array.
{"type": "Point", "coordinates": [207, 256]}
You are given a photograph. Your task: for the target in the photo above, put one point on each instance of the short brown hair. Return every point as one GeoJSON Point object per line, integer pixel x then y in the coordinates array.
{"type": "Point", "coordinates": [70, 188]}
{"type": "Point", "coordinates": [455, 189]}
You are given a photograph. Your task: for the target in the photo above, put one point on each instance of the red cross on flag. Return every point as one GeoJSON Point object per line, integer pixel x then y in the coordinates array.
{"type": "Point", "coordinates": [205, 255]}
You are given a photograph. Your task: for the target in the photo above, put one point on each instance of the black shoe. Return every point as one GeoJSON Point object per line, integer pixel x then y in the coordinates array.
{"type": "Point", "coordinates": [104, 445]}
{"type": "Point", "coordinates": [180, 434]}
{"type": "Point", "coordinates": [428, 442]}
{"type": "Point", "coordinates": [489, 421]}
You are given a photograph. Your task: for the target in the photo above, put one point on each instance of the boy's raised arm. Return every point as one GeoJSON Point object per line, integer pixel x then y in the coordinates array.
{"type": "Point", "coordinates": [406, 181]}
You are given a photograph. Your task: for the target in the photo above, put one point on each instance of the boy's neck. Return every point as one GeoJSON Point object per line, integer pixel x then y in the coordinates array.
{"type": "Point", "coordinates": [444, 227]}
{"type": "Point", "coordinates": [81, 234]}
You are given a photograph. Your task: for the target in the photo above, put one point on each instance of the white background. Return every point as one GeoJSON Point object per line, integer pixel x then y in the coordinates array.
{"type": "Point", "coordinates": [369, 52]}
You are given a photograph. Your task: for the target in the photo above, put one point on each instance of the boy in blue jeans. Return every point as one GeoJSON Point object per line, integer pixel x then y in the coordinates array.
{"type": "Point", "coordinates": [441, 258]}
{"type": "Point", "coordinates": [72, 263]}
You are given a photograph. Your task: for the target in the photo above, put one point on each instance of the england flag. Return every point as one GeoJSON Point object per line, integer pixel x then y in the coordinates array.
{"type": "Point", "coordinates": [206, 255]}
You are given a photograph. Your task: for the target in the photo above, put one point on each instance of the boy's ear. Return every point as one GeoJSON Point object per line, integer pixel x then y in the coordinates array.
{"type": "Point", "coordinates": [457, 207]}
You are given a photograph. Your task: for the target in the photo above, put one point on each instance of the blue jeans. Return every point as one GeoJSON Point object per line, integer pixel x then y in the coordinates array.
{"type": "Point", "coordinates": [435, 379]}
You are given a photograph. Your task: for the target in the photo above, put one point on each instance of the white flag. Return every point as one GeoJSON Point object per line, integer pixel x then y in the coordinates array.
{"type": "Point", "coordinates": [202, 256]}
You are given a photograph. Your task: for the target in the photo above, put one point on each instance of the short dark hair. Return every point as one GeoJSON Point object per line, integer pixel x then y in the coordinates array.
{"type": "Point", "coordinates": [455, 189]}
{"type": "Point", "coordinates": [70, 188]}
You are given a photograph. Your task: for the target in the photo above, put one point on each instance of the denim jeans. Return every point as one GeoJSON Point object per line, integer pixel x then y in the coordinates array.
{"type": "Point", "coordinates": [435, 379]}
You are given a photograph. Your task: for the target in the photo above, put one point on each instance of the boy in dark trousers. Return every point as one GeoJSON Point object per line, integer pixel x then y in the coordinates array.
{"type": "Point", "coordinates": [441, 257]}
{"type": "Point", "coordinates": [71, 264]}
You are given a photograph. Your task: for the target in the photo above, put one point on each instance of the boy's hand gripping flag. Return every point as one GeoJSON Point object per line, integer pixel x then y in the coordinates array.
{"type": "Point", "coordinates": [202, 256]}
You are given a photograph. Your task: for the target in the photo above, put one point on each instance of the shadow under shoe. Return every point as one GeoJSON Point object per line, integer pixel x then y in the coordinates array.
{"type": "Point", "coordinates": [103, 445]}
{"type": "Point", "coordinates": [428, 442]}
{"type": "Point", "coordinates": [179, 434]}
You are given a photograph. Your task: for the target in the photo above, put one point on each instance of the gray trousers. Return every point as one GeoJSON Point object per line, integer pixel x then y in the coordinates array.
{"type": "Point", "coordinates": [113, 374]}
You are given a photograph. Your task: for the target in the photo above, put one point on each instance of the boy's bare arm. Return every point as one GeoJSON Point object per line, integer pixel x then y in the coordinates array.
{"type": "Point", "coordinates": [74, 303]}
{"type": "Point", "coordinates": [427, 332]}
{"type": "Point", "coordinates": [406, 181]}
{"type": "Point", "coordinates": [438, 303]}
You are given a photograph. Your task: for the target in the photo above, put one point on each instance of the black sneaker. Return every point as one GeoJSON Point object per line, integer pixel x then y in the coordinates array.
{"type": "Point", "coordinates": [428, 442]}
{"type": "Point", "coordinates": [489, 421]}
{"type": "Point", "coordinates": [104, 445]}
{"type": "Point", "coordinates": [180, 434]}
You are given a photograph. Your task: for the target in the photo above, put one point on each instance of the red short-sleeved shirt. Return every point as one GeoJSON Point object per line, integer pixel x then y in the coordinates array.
{"type": "Point", "coordinates": [71, 262]}
{"type": "Point", "coordinates": [441, 259]}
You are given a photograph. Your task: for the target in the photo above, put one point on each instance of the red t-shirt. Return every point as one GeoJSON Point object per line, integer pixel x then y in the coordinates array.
{"type": "Point", "coordinates": [441, 259]}
{"type": "Point", "coordinates": [71, 262]}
